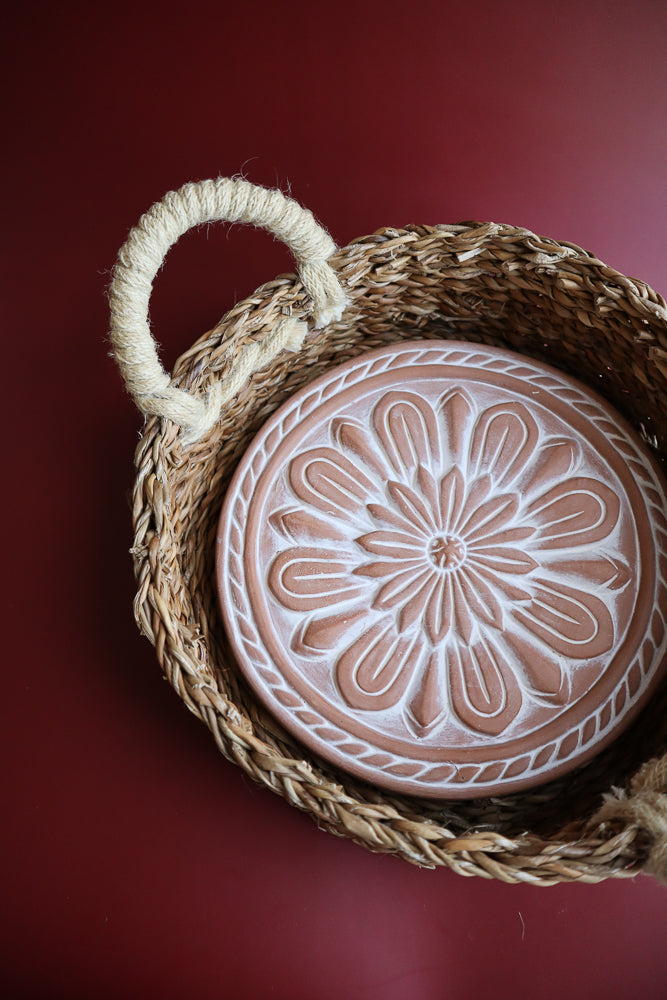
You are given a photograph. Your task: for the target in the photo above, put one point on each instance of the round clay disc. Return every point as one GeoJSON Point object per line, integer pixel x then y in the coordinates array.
{"type": "Point", "coordinates": [441, 567]}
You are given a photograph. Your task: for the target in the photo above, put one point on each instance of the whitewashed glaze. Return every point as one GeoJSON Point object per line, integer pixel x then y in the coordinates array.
{"type": "Point", "coordinates": [436, 568]}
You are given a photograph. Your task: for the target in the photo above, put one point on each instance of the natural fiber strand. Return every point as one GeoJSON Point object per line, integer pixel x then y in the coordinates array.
{"type": "Point", "coordinates": [644, 807]}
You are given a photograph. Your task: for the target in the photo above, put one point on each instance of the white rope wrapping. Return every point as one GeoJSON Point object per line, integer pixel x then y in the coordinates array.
{"type": "Point", "coordinates": [141, 257]}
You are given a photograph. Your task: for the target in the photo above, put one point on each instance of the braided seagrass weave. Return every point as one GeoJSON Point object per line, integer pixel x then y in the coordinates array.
{"type": "Point", "coordinates": [492, 284]}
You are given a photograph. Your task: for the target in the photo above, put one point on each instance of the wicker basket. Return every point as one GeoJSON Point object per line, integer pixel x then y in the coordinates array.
{"type": "Point", "coordinates": [488, 283]}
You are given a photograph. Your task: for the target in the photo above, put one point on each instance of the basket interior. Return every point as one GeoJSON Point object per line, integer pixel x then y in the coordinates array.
{"type": "Point", "coordinates": [539, 298]}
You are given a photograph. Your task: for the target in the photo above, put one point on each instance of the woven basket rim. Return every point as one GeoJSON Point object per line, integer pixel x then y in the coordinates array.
{"type": "Point", "coordinates": [384, 273]}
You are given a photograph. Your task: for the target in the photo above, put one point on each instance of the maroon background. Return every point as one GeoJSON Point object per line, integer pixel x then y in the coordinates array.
{"type": "Point", "coordinates": [137, 862]}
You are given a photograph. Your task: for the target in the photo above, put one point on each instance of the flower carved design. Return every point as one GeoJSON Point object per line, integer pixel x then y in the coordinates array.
{"type": "Point", "coordinates": [451, 558]}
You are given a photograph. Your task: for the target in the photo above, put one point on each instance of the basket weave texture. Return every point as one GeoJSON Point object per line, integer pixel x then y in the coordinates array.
{"type": "Point", "coordinates": [486, 283]}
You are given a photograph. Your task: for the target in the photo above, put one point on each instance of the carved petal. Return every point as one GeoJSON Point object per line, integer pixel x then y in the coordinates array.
{"type": "Point", "coordinates": [457, 412]}
{"type": "Point", "coordinates": [542, 672]}
{"type": "Point", "coordinates": [576, 512]}
{"type": "Point", "coordinates": [401, 587]}
{"type": "Point", "coordinates": [570, 621]}
{"type": "Point", "coordinates": [511, 591]}
{"type": "Point", "coordinates": [407, 427]}
{"type": "Point", "coordinates": [304, 579]}
{"type": "Point", "coordinates": [555, 460]}
{"type": "Point", "coordinates": [329, 481]}
{"type": "Point", "coordinates": [356, 439]}
{"type": "Point", "coordinates": [477, 494]}
{"type": "Point", "coordinates": [375, 670]}
{"type": "Point", "coordinates": [506, 536]}
{"type": "Point", "coordinates": [412, 506]}
{"type": "Point", "coordinates": [480, 599]}
{"type": "Point", "coordinates": [393, 519]}
{"type": "Point", "coordinates": [304, 525]}
{"type": "Point", "coordinates": [607, 571]}
{"type": "Point", "coordinates": [392, 545]}
{"type": "Point", "coordinates": [452, 493]}
{"type": "Point", "coordinates": [462, 615]}
{"type": "Point", "coordinates": [488, 517]}
{"type": "Point", "coordinates": [384, 567]}
{"type": "Point", "coordinates": [484, 692]}
{"type": "Point", "coordinates": [439, 610]}
{"type": "Point", "coordinates": [413, 610]}
{"type": "Point", "coordinates": [502, 559]}
{"type": "Point", "coordinates": [325, 634]}
{"type": "Point", "coordinates": [426, 485]}
{"type": "Point", "coordinates": [427, 706]}
{"type": "Point", "coordinates": [503, 441]}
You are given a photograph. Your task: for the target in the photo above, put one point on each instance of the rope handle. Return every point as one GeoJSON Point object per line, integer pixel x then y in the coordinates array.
{"type": "Point", "coordinates": [141, 257]}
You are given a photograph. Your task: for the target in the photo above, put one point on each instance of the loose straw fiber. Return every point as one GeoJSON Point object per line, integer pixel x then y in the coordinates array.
{"type": "Point", "coordinates": [486, 283]}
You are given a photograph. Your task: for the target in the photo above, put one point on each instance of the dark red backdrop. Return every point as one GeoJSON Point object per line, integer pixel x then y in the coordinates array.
{"type": "Point", "coordinates": [137, 862]}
